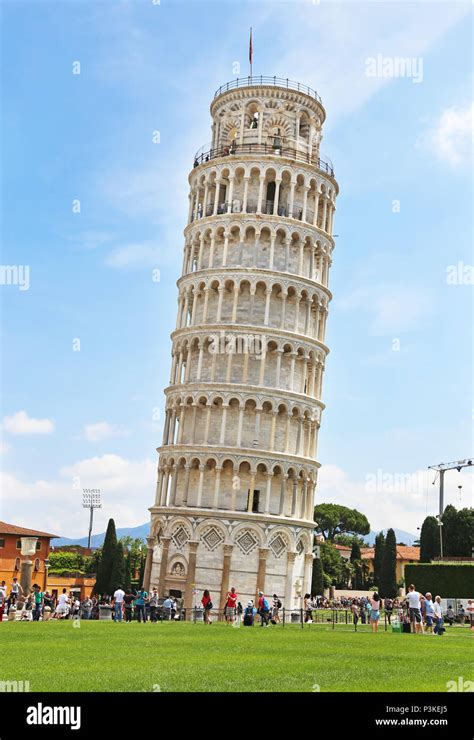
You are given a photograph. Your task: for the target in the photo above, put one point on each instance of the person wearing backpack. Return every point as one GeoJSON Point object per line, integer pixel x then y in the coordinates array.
{"type": "Point", "coordinates": [276, 606]}
{"type": "Point", "coordinates": [207, 606]}
{"type": "Point", "coordinates": [249, 615]}
{"type": "Point", "coordinates": [263, 609]}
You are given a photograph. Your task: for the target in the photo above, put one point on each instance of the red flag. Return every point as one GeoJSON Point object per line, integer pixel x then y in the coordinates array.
{"type": "Point", "coordinates": [250, 48]}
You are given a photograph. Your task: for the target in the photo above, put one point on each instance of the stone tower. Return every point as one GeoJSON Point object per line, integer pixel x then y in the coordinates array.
{"type": "Point", "coordinates": [237, 468]}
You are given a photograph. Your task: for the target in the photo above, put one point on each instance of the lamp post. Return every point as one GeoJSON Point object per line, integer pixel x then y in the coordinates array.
{"type": "Point", "coordinates": [91, 500]}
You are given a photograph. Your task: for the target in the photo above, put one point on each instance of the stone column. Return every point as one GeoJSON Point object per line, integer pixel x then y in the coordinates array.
{"type": "Point", "coordinates": [308, 572]}
{"type": "Point", "coordinates": [191, 577]}
{"type": "Point", "coordinates": [261, 573]}
{"type": "Point", "coordinates": [290, 561]}
{"type": "Point", "coordinates": [165, 546]}
{"type": "Point", "coordinates": [150, 542]}
{"type": "Point", "coordinates": [225, 574]}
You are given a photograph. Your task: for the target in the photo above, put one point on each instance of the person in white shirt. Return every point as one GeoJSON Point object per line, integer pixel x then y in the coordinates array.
{"type": "Point", "coordinates": [438, 616]}
{"type": "Point", "coordinates": [118, 603]}
{"type": "Point", "coordinates": [414, 609]}
{"type": "Point", "coordinates": [62, 608]}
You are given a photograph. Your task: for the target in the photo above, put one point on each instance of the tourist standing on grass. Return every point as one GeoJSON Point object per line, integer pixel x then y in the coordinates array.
{"type": "Point", "coordinates": [375, 611]}
{"type": "Point", "coordinates": [62, 608]}
{"type": "Point", "coordinates": [450, 616]}
{"type": "Point", "coordinates": [355, 612]}
{"type": "Point", "coordinates": [308, 608]}
{"type": "Point", "coordinates": [140, 605]}
{"type": "Point", "coordinates": [388, 608]}
{"type": "Point", "coordinates": [15, 592]}
{"type": "Point", "coordinates": [414, 609]}
{"type": "Point", "coordinates": [154, 605]}
{"type": "Point", "coordinates": [429, 613]}
{"type": "Point", "coordinates": [168, 607]}
{"type": "Point", "coordinates": [239, 611]}
{"type": "Point", "coordinates": [128, 600]}
{"type": "Point", "coordinates": [118, 603]}
{"type": "Point", "coordinates": [87, 608]}
{"type": "Point", "coordinates": [276, 606]}
{"type": "Point", "coordinates": [249, 614]}
{"type": "Point", "coordinates": [230, 605]}
{"type": "Point", "coordinates": [470, 612]}
{"type": "Point", "coordinates": [263, 609]}
{"type": "Point", "coordinates": [438, 616]}
{"type": "Point", "coordinates": [38, 597]}
{"type": "Point", "coordinates": [2, 604]}
{"type": "Point", "coordinates": [207, 606]}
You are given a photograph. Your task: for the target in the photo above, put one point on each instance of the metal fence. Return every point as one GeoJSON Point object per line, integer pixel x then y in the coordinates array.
{"type": "Point", "coordinates": [262, 80]}
{"type": "Point", "coordinates": [252, 149]}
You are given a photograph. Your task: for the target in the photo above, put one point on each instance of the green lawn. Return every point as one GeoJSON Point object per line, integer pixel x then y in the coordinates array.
{"type": "Point", "coordinates": [103, 656]}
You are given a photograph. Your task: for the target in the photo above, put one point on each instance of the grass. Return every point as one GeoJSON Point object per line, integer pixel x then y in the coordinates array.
{"type": "Point", "coordinates": [103, 656]}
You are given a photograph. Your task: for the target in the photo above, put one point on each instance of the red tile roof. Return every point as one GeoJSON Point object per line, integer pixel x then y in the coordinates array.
{"type": "Point", "coordinates": [14, 529]}
{"type": "Point", "coordinates": [403, 553]}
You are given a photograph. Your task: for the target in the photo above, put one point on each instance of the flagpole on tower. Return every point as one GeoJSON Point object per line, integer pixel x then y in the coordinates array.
{"type": "Point", "coordinates": [250, 52]}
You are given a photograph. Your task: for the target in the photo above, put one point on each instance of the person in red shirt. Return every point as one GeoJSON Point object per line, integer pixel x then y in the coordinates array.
{"type": "Point", "coordinates": [231, 602]}
{"type": "Point", "coordinates": [207, 606]}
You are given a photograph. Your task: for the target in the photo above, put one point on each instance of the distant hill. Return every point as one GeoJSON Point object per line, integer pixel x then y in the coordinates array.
{"type": "Point", "coordinates": [143, 530]}
{"type": "Point", "coordinates": [405, 537]}
{"type": "Point", "coordinates": [97, 539]}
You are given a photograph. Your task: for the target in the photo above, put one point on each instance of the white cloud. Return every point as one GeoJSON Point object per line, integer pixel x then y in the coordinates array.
{"type": "Point", "coordinates": [20, 423]}
{"type": "Point", "coordinates": [101, 430]}
{"type": "Point", "coordinates": [55, 505]}
{"type": "Point", "coordinates": [451, 137]}
{"type": "Point", "coordinates": [393, 308]}
{"type": "Point", "coordinates": [390, 498]}
{"type": "Point", "coordinates": [134, 256]}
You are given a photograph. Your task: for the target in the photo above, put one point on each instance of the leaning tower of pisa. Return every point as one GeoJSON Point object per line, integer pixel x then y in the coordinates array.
{"type": "Point", "coordinates": [238, 464]}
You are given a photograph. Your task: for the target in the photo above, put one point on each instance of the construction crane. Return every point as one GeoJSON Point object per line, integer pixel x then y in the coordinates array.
{"type": "Point", "coordinates": [441, 469]}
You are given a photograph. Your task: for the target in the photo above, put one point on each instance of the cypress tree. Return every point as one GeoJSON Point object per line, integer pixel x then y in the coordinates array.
{"type": "Point", "coordinates": [378, 557]}
{"type": "Point", "coordinates": [118, 569]}
{"type": "Point", "coordinates": [429, 540]}
{"type": "Point", "coordinates": [356, 560]}
{"type": "Point", "coordinates": [388, 577]}
{"type": "Point", "coordinates": [450, 531]}
{"type": "Point", "coordinates": [317, 581]}
{"type": "Point", "coordinates": [103, 583]}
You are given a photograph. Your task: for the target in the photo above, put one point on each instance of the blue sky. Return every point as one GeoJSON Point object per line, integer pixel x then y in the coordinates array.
{"type": "Point", "coordinates": [398, 381]}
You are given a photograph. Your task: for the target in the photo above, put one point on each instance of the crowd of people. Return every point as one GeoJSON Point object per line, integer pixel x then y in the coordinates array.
{"type": "Point", "coordinates": [418, 613]}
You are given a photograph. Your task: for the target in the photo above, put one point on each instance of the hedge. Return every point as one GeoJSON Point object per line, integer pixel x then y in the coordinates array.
{"type": "Point", "coordinates": [449, 580]}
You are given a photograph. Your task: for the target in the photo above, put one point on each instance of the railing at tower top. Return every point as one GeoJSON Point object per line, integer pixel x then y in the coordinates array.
{"type": "Point", "coordinates": [263, 81]}
{"type": "Point", "coordinates": [271, 149]}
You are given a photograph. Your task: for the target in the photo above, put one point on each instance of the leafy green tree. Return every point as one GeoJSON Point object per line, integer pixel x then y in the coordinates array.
{"type": "Point", "coordinates": [355, 552]}
{"type": "Point", "coordinates": [429, 540]}
{"type": "Point", "coordinates": [103, 584]}
{"type": "Point", "coordinates": [317, 581]}
{"type": "Point", "coordinates": [349, 539]}
{"type": "Point", "coordinates": [332, 563]}
{"type": "Point", "coordinates": [134, 545]}
{"type": "Point", "coordinates": [378, 557]}
{"type": "Point", "coordinates": [458, 532]}
{"type": "Point", "coordinates": [333, 519]}
{"type": "Point", "coordinates": [388, 574]}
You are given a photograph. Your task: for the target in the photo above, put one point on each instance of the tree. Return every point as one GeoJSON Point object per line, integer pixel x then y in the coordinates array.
{"type": "Point", "coordinates": [429, 540]}
{"type": "Point", "coordinates": [388, 574]}
{"type": "Point", "coordinates": [332, 563]}
{"type": "Point", "coordinates": [106, 563]}
{"type": "Point", "coordinates": [349, 539]}
{"type": "Point", "coordinates": [356, 560]}
{"type": "Point", "coordinates": [333, 519]}
{"type": "Point", "coordinates": [317, 581]}
{"type": "Point", "coordinates": [117, 576]}
{"type": "Point", "coordinates": [378, 557]}
{"type": "Point", "coordinates": [458, 532]}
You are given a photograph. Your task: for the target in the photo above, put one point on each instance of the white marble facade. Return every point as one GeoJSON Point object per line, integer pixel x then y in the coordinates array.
{"type": "Point", "coordinates": [238, 466]}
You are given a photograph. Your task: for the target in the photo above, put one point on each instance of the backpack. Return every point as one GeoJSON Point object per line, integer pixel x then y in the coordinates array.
{"type": "Point", "coordinates": [266, 606]}
{"type": "Point", "coordinates": [279, 604]}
